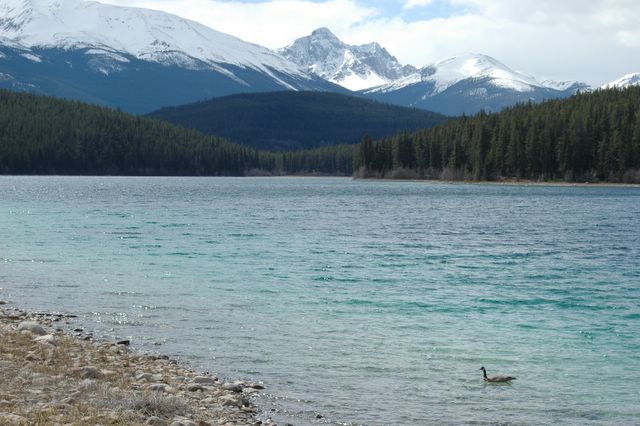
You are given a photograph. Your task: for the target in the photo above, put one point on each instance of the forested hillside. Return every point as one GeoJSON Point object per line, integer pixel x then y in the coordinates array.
{"type": "Point", "coordinates": [285, 121]}
{"type": "Point", "coordinates": [588, 137]}
{"type": "Point", "coordinates": [41, 135]}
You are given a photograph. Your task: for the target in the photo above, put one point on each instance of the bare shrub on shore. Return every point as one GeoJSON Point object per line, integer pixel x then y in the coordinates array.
{"type": "Point", "coordinates": [631, 176]}
{"type": "Point", "coordinates": [450, 174]}
{"type": "Point", "coordinates": [403, 173]}
{"type": "Point", "coordinates": [147, 404]}
{"type": "Point", "coordinates": [157, 404]}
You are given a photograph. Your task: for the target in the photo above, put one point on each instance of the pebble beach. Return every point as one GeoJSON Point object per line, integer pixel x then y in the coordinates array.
{"type": "Point", "coordinates": [53, 374]}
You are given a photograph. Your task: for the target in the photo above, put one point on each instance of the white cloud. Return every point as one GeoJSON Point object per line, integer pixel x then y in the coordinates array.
{"type": "Point", "coordinates": [273, 24]}
{"type": "Point", "coordinates": [595, 41]}
{"type": "Point", "coordinates": [410, 4]}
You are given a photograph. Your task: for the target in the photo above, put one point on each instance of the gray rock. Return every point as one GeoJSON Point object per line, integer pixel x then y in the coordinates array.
{"type": "Point", "coordinates": [205, 380]}
{"type": "Point", "coordinates": [147, 377]}
{"type": "Point", "coordinates": [87, 372]}
{"type": "Point", "coordinates": [47, 339]}
{"type": "Point", "coordinates": [233, 387]}
{"type": "Point", "coordinates": [230, 401]}
{"type": "Point", "coordinates": [161, 387]}
{"type": "Point", "coordinates": [183, 422]}
{"type": "Point", "coordinates": [32, 327]}
{"type": "Point", "coordinates": [257, 386]}
{"type": "Point", "coordinates": [155, 421]}
{"type": "Point", "coordinates": [194, 387]}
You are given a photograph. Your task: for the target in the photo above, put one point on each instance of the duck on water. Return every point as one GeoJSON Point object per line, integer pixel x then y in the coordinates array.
{"type": "Point", "coordinates": [496, 379]}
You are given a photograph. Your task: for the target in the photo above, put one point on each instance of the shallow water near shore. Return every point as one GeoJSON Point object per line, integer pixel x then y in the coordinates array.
{"type": "Point", "coordinates": [364, 302]}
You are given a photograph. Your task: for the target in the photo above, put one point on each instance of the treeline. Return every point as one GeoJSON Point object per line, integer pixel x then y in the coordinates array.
{"type": "Point", "coordinates": [42, 135]}
{"type": "Point", "coordinates": [588, 137]}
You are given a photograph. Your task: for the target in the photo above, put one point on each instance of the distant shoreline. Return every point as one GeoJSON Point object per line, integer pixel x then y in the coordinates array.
{"type": "Point", "coordinates": [506, 182]}
{"type": "Point", "coordinates": [510, 183]}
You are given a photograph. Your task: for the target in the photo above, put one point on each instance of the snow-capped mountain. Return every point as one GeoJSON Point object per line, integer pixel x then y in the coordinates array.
{"type": "Point", "coordinates": [456, 85]}
{"type": "Point", "coordinates": [448, 72]}
{"type": "Point", "coordinates": [353, 67]}
{"type": "Point", "coordinates": [467, 84]}
{"type": "Point", "coordinates": [575, 86]}
{"type": "Point", "coordinates": [41, 41]}
{"type": "Point", "coordinates": [626, 81]}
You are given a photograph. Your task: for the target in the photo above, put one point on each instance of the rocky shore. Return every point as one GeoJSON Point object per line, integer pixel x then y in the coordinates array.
{"type": "Point", "coordinates": [49, 376]}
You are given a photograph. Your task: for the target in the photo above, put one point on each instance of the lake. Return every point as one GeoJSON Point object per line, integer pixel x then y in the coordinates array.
{"type": "Point", "coordinates": [366, 302]}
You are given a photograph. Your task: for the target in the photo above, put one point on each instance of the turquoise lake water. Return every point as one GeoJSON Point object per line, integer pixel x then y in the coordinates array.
{"type": "Point", "coordinates": [364, 302]}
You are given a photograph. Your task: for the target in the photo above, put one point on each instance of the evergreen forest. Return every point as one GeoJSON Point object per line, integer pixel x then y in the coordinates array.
{"type": "Point", "coordinates": [589, 137]}
{"type": "Point", "coordinates": [43, 135]}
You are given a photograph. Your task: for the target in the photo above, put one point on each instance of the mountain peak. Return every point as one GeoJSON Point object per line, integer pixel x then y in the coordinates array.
{"type": "Point", "coordinates": [355, 67]}
{"type": "Point", "coordinates": [475, 65]}
{"type": "Point", "coordinates": [323, 32]}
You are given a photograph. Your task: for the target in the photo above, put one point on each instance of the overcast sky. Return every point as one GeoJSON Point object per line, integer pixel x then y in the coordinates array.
{"type": "Point", "coordinates": [595, 41]}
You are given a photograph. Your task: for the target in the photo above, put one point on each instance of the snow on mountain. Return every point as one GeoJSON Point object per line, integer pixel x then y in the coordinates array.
{"type": "Point", "coordinates": [145, 34]}
{"type": "Point", "coordinates": [469, 83]}
{"type": "Point", "coordinates": [626, 81]}
{"type": "Point", "coordinates": [354, 67]}
{"type": "Point", "coordinates": [448, 72]}
{"type": "Point", "coordinates": [135, 59]}
{"type": "Point", "coordinates": [574, 86]}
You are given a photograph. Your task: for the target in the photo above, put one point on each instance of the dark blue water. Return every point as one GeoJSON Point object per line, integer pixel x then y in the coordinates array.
{"type": "Point", "coordinates": [366, 302]}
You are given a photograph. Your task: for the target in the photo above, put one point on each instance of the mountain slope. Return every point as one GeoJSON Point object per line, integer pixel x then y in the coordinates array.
{"type": "Point", "coordinates": [353, 67]}
{"type": "Point", "coordinates": [297, 120]}
{"type": "Point", "coordinates": [466, 84]}
{"type": "Point", "coordinates": [624, 82]}
{"type": "Point", "coordinates": [120, 56]}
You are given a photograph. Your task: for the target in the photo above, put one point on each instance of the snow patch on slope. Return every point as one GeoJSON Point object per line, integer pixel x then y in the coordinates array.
{"type": "Point", "coordinates": [31, 57]}
{"type": "Point", "coordinates": [559, 85]}
{"type": "Point", "coordinates": [107, 54]}
{"type": "Point", "coordinates": [360, 82]}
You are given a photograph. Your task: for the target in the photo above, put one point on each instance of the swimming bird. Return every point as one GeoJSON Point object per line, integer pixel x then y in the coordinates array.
{"type": "Point", "coordinates": [496, 379]}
